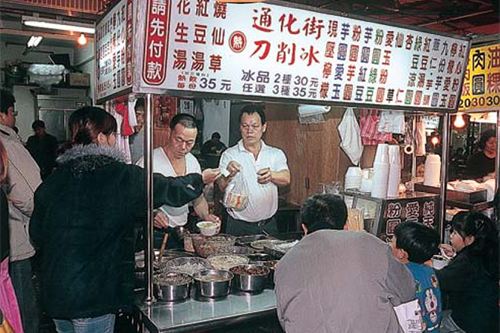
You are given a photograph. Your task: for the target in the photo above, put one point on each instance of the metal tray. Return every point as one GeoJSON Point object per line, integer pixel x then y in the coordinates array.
{"type": "Point", "coordinates": [454, 195]}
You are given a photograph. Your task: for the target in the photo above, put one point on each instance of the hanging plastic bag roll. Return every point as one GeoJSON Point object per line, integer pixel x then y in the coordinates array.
{"type": "Point", "coordinates": [381, 172]}
{"type": "Point", "coordinates": [394, 172]}
{"type": "Point", "coordinates": [350, 134]}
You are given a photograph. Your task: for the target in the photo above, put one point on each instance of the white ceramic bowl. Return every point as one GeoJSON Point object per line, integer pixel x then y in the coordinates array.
{"type": "Point", "coordinates": [207, 228]}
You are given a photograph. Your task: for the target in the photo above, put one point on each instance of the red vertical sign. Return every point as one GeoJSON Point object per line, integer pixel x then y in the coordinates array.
{"type": "Point", "coordinates": [130, 40]}
{"type": "Point", "coordinates": [156, 42]}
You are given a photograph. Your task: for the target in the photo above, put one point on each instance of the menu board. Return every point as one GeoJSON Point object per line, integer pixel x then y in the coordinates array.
{"type": "Point", "coordinates": [113, 50]}
{"type": "Point", "coordinates": [481, 88]}
{"type": "Point", "coordinates": [269, 50]}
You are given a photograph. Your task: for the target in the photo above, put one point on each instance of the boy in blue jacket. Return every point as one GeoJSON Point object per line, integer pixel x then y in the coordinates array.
{"type": "Point", "coordinates": [414, 244]}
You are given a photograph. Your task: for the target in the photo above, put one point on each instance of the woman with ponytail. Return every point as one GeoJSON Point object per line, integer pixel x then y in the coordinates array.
{"type": "Point", "coordinates": [83, 225]}
{"type": "Point", "coordinates": [471, 278]}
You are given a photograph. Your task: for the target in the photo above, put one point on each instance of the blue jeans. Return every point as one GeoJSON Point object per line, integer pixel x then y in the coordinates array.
{"type": "Point", "coordinates": [102, 324]}
{"type": "Point", "coordinates": [22, 280]}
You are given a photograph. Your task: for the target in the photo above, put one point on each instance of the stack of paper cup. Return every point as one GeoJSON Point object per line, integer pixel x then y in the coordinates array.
{"type": "Point", "coordinates": [432, 174]}
{"type": "Point", "coordinates": [394, 172]}
{"type": "Point", "coordinates": [353, 178]}
{"type": "Point", "coordinates": [381, 171]}
{"type": "Point", "coordinates": [366, 182]}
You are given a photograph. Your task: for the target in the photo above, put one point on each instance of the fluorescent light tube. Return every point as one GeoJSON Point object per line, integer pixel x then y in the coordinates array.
{"type": "Point", "coordinates": [34, 41]}
{"type": "Point", "coordinates": [58, 26]}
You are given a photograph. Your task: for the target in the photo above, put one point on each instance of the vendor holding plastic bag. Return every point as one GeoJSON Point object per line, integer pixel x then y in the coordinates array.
{"type": "Point", "coordinates": [252, 172]}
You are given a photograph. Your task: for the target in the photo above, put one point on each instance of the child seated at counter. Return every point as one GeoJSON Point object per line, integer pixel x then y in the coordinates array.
{"type": "Point", "coordinates": [470, 280]}
{"type": "Point", "coordinates": [414, 244]}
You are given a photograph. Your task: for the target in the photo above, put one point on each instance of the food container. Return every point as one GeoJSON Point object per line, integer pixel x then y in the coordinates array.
{"type": "Point", "coordinates": [258, 257]}
{"type": "Point", "coordinates": [227, 261]}
{"type": "Point", "coordinates": [213, 283]}
{"type": "Point", "coordinates": [207, 246]}
{"type": "Point", "coordinates": [187, 265]}
{"type": "Point", "coordinates": [271, 264]}
{"type": "Point", "coordinates": [188, 244]}
{"type": "Point", "coordinates": [207, 228]}
{"type": "Point", "coordinates": [250, 278]}
{"type": "Point", "coordinates": [171, 286]}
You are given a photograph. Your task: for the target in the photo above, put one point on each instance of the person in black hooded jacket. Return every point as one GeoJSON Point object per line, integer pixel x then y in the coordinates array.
{"type": "Point", "coordinates": [470, 280]}
{"type": "Point", "coordinates": [83, 224]}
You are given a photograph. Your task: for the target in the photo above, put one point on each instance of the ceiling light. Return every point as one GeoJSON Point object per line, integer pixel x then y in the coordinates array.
{"type": "Point", "coordinates": [58, 25]}
{"type": "Point", "coordinates": [82, 40]}
{"type": "Point", "coordinates": [459, 121]}
{"type": "Point", "coordinates": [34, 41]}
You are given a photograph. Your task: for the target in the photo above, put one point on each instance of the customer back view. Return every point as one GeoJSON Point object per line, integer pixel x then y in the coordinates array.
{"type": "Point", "coordinates": [339, 281]}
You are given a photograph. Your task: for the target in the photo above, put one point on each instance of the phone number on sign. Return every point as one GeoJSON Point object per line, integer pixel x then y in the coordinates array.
{"type": "Point", "coordinates": [479, 101]}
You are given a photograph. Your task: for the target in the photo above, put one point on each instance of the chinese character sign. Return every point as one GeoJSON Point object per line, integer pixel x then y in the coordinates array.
{"type": "Point", "coordinates": [274, 51]}
{"type": "Point", "coordinates": [156, 44]}
{"type": "Point", "coordinates": [481, 88]}
{"type": "Point", "coordinates": [421, 210]}
{"type": "Point", "coordinates": [114, 50]}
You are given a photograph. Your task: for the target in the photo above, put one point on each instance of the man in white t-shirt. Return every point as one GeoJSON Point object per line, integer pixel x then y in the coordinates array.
{"type": "Point", "coordinates": [173, 160]}
{"type": "Point", "coordinates": [263, 168]}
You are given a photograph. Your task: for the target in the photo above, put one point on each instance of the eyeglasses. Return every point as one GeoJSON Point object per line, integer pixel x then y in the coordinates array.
{"type": "Point", "coordinates": [246, 128]}
{"type": "Point", "coordinates": [188, 143]}
{"type": "Point", "coordinates": [15, 113]}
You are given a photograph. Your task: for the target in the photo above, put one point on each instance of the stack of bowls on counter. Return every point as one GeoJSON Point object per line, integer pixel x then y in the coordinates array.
{"type": "Point", "coordinates": [353, 178]}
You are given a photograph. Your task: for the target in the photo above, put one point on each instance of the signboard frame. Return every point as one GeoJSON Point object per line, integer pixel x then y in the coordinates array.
{"type": "Point", "coordinates": [127, 89]}
{"type": "Point", "coordinates": [139, 88]}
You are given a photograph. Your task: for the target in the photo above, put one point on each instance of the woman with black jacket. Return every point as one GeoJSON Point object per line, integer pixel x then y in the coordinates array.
{"type": "Point", "coordinates": [83, 225]}
{"type": "Point", "coordinates": [471, 279]}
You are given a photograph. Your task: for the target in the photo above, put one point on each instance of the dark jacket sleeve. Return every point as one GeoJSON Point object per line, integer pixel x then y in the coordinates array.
{"type": "Point", "coordinates": [176, 191]}
{"type": "Point", "coordinates": [457, 276]}
{"type": "Point", "coordinates": [36, 222]}
{"type": "Point", "coordinates": [172, 191]}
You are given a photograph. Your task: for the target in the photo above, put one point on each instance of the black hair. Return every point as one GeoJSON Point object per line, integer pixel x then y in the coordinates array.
{"type": "Point", "coordinates": [7, 100]}
{"type": "Point", "coordinates": [139, 103]}
{"type": "Point", "coordinates": [485, 136]}
{"type": "Point", "coordinates": [418, 240]}
{"type": "Point", "coordinates": [324, 211]}
{"type": "Point", "coordinates": [216, 135]}
{"type": "Point", "coordinates": [254, 108]}
{"type": "Point", "coordinates": [37, 124]}
{"type": "Point", "coordinates": [86, 123]}
{"type": "Point", "coordinates": [485, 245]}
{"type": "Point", "coordinates": [186, 120]}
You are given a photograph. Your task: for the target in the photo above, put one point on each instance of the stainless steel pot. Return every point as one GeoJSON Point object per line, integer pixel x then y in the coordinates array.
{"type": "Point", "coordinates": [246, 280]}
{"type": "Point", "coordinates": [173, 292]}
{"type": "Point", "coordinates": [213, 283]}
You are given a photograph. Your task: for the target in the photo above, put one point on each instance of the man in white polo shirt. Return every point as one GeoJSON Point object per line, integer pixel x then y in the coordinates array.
{"type": "Point", "coordinates": [263, 168]}
{"type": "Point", "coordinates": [173, 160]}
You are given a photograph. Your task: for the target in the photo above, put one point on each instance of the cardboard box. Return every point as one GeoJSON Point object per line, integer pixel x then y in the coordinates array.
{"type": "Point", "coordinates": [79, 79]}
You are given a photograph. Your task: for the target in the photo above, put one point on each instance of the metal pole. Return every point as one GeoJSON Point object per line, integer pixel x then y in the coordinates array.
{"type": "Point", "coordinates": [445, 153]}
{"type": "Point", "coordinates": [148, 178]}
{"type": "Point", "coordinates": [497, 164]}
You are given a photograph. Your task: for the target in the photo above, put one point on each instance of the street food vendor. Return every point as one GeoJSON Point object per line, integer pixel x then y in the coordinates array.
{"type": "Point", "coordinates": [482, 163]}
{"type": "Point", "coordinates": [172, 160]}
{"type": "Point", "coordinates": [263, 168]}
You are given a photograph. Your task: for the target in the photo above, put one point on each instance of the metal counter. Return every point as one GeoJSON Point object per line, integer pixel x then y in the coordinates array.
{"type": "Point", "coordinates": [196, 313]}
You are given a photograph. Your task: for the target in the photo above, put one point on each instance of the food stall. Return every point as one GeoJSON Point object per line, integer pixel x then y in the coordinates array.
{"type": "Point", "coordinates": [276, 53]}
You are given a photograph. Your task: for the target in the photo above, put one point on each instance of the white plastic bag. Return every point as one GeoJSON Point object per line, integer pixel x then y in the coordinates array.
{"type": "Point", "coordinates": [350, 134]}
{"type": "Point", "coordinates": [236, 195]}
{"type": "Point", "coordinates": [410, 317]}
